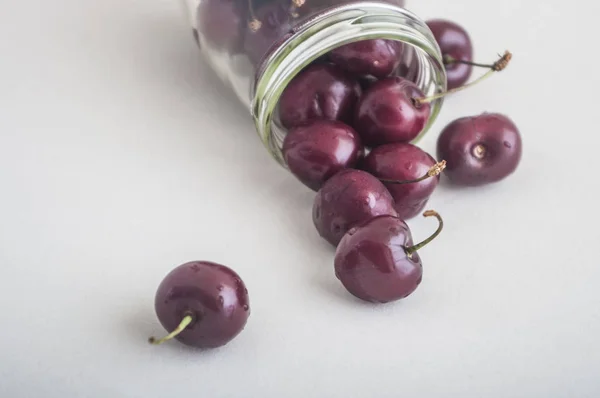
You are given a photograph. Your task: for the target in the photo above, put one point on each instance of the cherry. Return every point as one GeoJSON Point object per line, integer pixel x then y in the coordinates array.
{"type": "Point", "coordinates": [409, 173]}
{"type": "Point", "coordinates": [221, 22]}
{"type": "Point", "coordinates": [480, 149]}
{"type": "Point", "coordinates": [346, 199]}
{"type": "Point", "coordinates": [270, 24]}
{"type": "Point", "coordinates": [204, 304]}
{"type": "Point", "coordinates": [455, 44]}
{"type": "Point", "coordinates": [320, 91]}
{"type": "Point", "coordinates": [375, 57]}
{"type": "Point", "coordinates": [388, 112]}
{"type": "Point", "coordinates": [316, 151]}
{"type": "Point", "coordinates": [377, 261]}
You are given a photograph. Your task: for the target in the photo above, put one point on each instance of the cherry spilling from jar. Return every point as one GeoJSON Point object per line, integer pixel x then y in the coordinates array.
{"type": "Point", "coordinates": [346, 125]}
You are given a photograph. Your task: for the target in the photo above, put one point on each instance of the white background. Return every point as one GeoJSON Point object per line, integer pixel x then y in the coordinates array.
{"type": "Point", "coordinates": [121, 156]}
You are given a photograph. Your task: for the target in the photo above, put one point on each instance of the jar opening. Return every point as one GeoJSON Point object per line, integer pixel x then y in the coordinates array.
{"type": "Point", "coordinates": [344, 24]}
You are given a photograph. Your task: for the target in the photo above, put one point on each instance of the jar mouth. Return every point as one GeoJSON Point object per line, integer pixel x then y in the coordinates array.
{"type": "Point", "coordinates": [334, 27]}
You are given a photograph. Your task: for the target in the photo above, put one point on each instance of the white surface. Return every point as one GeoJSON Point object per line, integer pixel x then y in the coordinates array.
{"type": "Point", "coordinates": [122, 157]}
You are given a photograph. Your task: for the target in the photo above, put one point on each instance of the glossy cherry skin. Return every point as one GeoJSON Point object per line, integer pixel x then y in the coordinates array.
{"type": "Point", "coordinates": [215, 297]}
{"type": "Point", "coordinates": [372, 264]}
{"type": "Point", "coordinates": [316, 151]}
{"type": "Point", "coordinates": [375, 57]}
{"type": "Point", "coordinates": [403, 162]}
{"type": "Point", "coordinates": [454, 41]}
{"type": "Point", "coordinates": [321, 91]}
{"type": "Point", "coordinates": [221, 23]}
{"type": "Point", "coordinates": [276, 23]}
{"type": "Point", "coordinates": [480, 149]}
{"type": "Point", "coordinates": [386, 112]}
{"type": "Point", "coordinates": [346, 199]}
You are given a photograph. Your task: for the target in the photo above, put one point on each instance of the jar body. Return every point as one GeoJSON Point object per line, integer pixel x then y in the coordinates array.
{"type": "Point", "coordinates": [257, 46]}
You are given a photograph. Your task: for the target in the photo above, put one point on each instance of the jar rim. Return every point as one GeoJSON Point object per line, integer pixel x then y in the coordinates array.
{"type": "Point", "coordinates": [340, 25]}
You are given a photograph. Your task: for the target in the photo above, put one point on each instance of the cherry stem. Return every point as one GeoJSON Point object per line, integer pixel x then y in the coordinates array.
{"type": "Point", "coordinates": [449, 60]}
{"type": "Point", "coordinates": [418, 246]}
{"type": "Point", "coordinates": [435, 170]}
{"type": "Point", "coordinates": [185, 322]}
{"type": "Point", "coordinates": [254, 24]}
{"type": "Point", "coordinates": [497, 66]}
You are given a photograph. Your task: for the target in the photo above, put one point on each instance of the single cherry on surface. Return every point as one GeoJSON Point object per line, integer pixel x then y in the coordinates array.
{"type": "Point", "coordinates": [377, 260]}
{"type": "Point", "coordinates": [387, 112]}
{"type": "Point", "coordinates": [221, 23]}
{"type": "Point", "coordinates": [202, 304]}
{"type": "Point", "coordinates": [320, 91]}
{"type": "Point", "coordinates": [455, 44]}
{"type": "Point", "coordinates": [373, 57]}
{"type": "Point", "coordinates": [316, 151]}
{"type": "Point", "coordinates": [349, 198]}
{"type": "Point", "coordinates": [480, 149]}
{"type": "Point", "coordinates": [408, 172]}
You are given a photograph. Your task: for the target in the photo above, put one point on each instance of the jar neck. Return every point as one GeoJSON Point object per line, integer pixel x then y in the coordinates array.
{"type": "Point", "coordinates": [334, 27]}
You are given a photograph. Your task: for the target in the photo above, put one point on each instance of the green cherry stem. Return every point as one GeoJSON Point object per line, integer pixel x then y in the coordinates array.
{"type": "Point", "coordinates": [497, 66]}
{"type": "Point", "coordinates": [449, 60]}
{"type": "Point", "coordinates": [435, 170]}
{"type": "Point", "coordinates": [418, 246]}
{"type": "Point", "coordinates": [185, 322]}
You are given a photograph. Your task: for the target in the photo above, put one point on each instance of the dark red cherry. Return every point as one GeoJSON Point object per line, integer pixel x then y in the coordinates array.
{"type": "Point", "coordinates": [377, 261]}
{"type": "Point", "coordinates": [204, 304]}
{"type": "Point", "coordinates": [275, 25]}
{"type": "Point", "coordinates": [480, 149]}
{"type": "Point", "coordinates": [346, 199]}
{"type": "Point", "coordinates": [316, 151]}
{"type": "Point", "coordinates": [375, 57]}
{"type": "Point", "coordinates": [321, 91]}
{"type": "Point", "coordinates": [454, 42]}
{"type": "Point", "coordinates": [386, 112]}
{"type": "Point", "coordinates": [221, 23]}
{"type": "Point", "coordinates": [403, 162]}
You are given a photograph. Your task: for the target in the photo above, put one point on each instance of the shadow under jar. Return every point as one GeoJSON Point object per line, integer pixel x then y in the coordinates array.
{"type": "Point", "coordinates": [259, 60]}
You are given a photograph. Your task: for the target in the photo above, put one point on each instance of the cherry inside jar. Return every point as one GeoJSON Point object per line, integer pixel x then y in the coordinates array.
{"type": "Point", "coordinates": [327, 51]}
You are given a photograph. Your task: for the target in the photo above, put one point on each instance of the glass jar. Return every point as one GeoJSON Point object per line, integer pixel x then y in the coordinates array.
{"type": "Point", "coordinates": [257, 62]}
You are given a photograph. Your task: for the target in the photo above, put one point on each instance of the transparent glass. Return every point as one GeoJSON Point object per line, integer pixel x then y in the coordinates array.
{"type": "Point", "coordinates": [257, 62]}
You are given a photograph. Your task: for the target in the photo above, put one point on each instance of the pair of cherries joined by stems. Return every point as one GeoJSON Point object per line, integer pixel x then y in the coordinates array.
{"type": "Point", "coordinates": [350, 120]}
